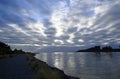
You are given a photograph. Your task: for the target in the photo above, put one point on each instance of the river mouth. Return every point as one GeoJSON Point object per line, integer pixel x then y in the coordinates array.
{"type": "Point", "coordinates": [85, 65]}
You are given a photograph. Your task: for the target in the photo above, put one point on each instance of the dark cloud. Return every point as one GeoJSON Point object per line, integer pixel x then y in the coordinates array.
{"type": "Point", "coordinates": [72, 29]}
{"type": "Point", "coordinates": [50, 32]}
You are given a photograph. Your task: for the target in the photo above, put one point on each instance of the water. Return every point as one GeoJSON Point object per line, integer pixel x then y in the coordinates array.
{"type": "Point", "coordinates": [85, 65]}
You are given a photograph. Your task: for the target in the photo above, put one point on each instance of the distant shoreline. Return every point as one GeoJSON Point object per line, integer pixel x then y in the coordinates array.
{"type": "Point", "coordinates": [99, 49]}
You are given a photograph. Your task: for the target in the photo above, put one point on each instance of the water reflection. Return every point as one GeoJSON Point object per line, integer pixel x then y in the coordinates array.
{"type": "Point", "coordinates": [57, 60]}
{"type": "Point", "coordinates": [43, 56]}
{"type": "Point", "coordinates": [71, 61]}
{"type": "Point", "coordinates": [85, 65]}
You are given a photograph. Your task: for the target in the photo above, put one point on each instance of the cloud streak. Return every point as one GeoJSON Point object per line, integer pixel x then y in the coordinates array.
{"type": "Point", "coordinates": [60, 22]}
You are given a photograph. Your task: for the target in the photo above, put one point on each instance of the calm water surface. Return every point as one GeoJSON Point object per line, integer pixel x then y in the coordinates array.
{"type": "Point", "coordinates": [85, 65]}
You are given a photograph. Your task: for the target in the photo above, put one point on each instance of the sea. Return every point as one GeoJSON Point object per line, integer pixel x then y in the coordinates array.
{"type": "Point", "coordinates": [85, 65]}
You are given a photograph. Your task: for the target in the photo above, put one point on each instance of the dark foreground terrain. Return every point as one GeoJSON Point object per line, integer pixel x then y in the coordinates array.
{"type": "Point", "coordinates": [16, 68]}
{"type": "Point", "coordinates": [17, 64]}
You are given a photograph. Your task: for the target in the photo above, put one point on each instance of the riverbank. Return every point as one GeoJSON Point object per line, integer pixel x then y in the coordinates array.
{"type": "Point", "coordinates": [18, 64]}
{"type": "Point", "coordinates": [44, 71]}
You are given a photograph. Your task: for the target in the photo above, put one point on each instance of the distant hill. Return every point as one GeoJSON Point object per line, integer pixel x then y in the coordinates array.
{"type": "Point", "coordinates": [100, 49]}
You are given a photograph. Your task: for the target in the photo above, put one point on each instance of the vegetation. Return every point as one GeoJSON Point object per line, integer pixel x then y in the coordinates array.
{"type": "Point", "coordinates": [7, 52]}
{"type": "Point", "coordinates": [4, 49]}
{"type": "Point", "coordinates": [100, 49]}
{"type": "Point", "coordinates": [44, 71]}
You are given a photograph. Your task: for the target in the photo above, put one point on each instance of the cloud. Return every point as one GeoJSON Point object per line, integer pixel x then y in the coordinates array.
{"type": "Point", "coordinates": [60, 22]}
{"type": "Point", "coordinates": [50, 32]}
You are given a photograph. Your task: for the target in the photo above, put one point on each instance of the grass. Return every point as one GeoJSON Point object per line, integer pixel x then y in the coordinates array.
{"type": "Point", "coordinates": [43, 70]}
{"type": "Point", "coordinates": [46, 73]}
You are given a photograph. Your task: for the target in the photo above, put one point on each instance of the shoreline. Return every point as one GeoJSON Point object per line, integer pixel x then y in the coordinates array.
{"type": "Point", "coordinates": [47, 72]}
{"type": "Point", "coordinates": [42, 69]}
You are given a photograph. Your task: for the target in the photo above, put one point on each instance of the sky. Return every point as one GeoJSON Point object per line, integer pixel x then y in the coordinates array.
{"type": "Point", "coordinates": [47, 24]}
